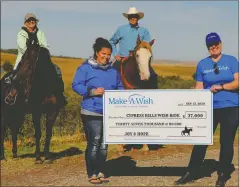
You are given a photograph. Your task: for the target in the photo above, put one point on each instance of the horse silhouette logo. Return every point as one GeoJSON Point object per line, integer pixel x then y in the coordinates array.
{"type": "Point", "coordinates": [186, 130]}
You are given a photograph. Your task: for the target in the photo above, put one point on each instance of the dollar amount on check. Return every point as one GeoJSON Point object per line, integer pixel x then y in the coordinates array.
{"type": "Point", "coordinates": [158, 117]}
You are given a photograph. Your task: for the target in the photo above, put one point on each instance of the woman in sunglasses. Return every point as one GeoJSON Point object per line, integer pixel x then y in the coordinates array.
{"type": "Point", "coordinates": [29, 31]}
{"type": "Point", "coordinates": [219, 73]}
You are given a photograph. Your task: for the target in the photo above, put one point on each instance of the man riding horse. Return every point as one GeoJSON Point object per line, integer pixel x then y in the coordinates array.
{"type": "Point", "coordinates": [126, 36]}
{"type": "Point", "coordinates": [30, 33]}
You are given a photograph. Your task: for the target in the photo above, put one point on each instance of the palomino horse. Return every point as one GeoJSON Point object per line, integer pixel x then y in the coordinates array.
{"type": "Point", "coordinates": [32, 82]}
{"type": "Point", "coordinates": [136, 72]}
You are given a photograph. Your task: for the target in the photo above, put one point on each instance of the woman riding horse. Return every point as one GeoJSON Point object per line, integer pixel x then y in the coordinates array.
{"type": "Point", "coordinates": [29, 33]}
{"type": "Point", "coordinates": [43, 93]}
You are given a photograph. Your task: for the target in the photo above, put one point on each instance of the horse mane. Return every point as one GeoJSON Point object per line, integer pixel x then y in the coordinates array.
{"type": "Point", "coordinates": [27, 64]}
{"type": "Point", "coordinates": [129, 69]}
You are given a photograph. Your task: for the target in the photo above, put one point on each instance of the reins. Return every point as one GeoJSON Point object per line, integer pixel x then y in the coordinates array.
{"type": "Point", "coordinates": [29, 86]}
{"type": "Point", "coordinates": [125, 81]}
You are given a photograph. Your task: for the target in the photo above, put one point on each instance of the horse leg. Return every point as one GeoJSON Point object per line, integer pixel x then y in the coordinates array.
{"type": "Point", "coordinates": [120, 149]}
{"type": "Point", "coordinates": [3, 131]}
{"type": "Point", "coordinates": [145, 148]}
{"type": "Point", "coordinates": [14, 132]}
{"type": "Point", "coordinates": [37, 125]}
{"type": "Point", "coordinates": [50, 119]}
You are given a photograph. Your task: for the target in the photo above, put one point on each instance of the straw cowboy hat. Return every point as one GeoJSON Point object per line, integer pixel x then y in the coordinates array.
{"type": "Point", "coordinates": [133, 10]}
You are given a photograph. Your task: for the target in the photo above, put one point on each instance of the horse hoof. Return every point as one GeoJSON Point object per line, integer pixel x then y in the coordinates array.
{"type": "Point", "coordinates": [145, 152]}
{"type": "Point", "coordinates": [120, 153]}
{"type": "Point", "coordinates": [133, 150]}
{"type": "Point", "coordinates": [39, 161]}
{"type": "Point", "coordinates": [15, 157]}
{"type": "Point", "coordinates": [48, 161]}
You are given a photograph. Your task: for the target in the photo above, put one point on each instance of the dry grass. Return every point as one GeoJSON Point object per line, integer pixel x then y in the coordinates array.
{"type": "Point", "coordinates": [184, 71]}
{"type": "Point", "coordinates": [69, 66]}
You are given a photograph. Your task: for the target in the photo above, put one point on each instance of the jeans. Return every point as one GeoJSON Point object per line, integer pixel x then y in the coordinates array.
{"type": "Point", "coordinates": [96, 150]}
{"type": "Point", "coordinates": [228, 118]}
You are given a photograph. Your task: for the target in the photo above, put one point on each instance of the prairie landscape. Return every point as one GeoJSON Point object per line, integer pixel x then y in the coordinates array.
{"type": "Point", "coordinates": [68, 143]}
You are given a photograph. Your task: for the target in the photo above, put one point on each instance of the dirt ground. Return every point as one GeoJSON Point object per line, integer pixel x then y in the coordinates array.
{"type": "Point", "coordinates": [157, 168]}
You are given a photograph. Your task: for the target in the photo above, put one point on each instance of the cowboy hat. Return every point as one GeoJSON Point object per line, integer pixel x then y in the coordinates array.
{"type": "Point", "coordinates": [133, 10]}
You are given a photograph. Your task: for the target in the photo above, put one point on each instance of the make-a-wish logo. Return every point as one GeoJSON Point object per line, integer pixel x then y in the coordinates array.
{"type": "Point", "coordinates": [134, 99]}
{"type": "Point", "coordinates": [221, 68]}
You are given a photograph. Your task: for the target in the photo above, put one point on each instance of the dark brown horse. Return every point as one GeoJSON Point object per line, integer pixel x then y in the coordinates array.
{"type": "Point", "coordinates": [136, 72]}
{"type": "Point", "coordinates": [32, 86]}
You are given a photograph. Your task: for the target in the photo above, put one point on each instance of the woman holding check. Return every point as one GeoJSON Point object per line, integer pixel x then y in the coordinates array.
{"type": "Point", "coordinates": [92, 78]}
{"type": "Point", "coordinates": [219, 73]}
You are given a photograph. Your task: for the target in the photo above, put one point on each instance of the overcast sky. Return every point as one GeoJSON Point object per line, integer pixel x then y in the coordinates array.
{"type": "Point", "coordinates": [178, 27]}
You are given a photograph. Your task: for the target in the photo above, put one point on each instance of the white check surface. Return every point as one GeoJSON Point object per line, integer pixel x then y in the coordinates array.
{"type": "Point", "coordinates": [158, 117]}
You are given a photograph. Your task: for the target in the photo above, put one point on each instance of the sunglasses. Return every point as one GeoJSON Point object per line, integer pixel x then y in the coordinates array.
{"type": "Point", "coordinates": [133, 16]}
{"type": "Point", "coordinates": [210, 46]}
{"type": "Point", "coordinates": [31, 20]}
{"type": "Point", "coordinates": [216, 70]}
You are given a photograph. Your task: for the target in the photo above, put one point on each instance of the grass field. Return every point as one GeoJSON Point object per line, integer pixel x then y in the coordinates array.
{"type": "Point", "coordinates": [69, 67]}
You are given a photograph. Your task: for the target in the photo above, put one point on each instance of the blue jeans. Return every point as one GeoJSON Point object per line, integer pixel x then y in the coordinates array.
{"type": "Point", "coordinates": [96, 150]}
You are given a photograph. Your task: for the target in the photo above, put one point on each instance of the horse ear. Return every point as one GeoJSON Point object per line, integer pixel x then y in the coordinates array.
{"type": "Point", "coordinates": [152, 42]}
{"type": "Point", "coordinates": [138, 40]}
{"type": "Point", "coordinates": [131, 52]}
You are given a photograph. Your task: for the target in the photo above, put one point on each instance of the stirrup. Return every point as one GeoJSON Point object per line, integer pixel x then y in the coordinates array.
{"type": "Point", "coordinates": [8, 80]}
{"type": "Point", "coordinates": [11, 99]}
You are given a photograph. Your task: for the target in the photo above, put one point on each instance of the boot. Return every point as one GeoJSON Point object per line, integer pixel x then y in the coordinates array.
{"type": "Point", "coordinates": [188, 177]}
{"type": "Point", "coordinates": [221, 180]}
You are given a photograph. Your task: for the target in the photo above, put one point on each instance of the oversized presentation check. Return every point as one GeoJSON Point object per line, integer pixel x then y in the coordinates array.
{"type": "Point", "coordinates": [158, 117]}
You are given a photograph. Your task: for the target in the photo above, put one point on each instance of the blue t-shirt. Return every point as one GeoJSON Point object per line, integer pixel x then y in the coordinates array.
{"type": "Point", "coordinates": [228, 66]}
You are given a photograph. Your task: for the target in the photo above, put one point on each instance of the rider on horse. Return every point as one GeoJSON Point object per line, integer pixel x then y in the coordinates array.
{"type": "Point", "coordinates": [29, 33]}
{"type": "Point", "coordinates": [126, 37]}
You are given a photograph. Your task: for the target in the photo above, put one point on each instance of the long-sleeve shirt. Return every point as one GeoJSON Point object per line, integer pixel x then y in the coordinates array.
{"type": "Point", "coordinates": [22, 38]}
{"type": "Point", "coordinates": [126, 37]}
{"type": "Point", "coordinates": [90, 75]}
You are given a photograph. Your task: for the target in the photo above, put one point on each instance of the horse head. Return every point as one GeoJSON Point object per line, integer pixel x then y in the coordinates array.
{"type": "Point", "coordinates": [143, 56]}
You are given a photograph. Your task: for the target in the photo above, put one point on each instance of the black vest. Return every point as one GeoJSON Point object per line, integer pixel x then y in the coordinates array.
{"type": "Point", "coordinates": [32, 36]}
